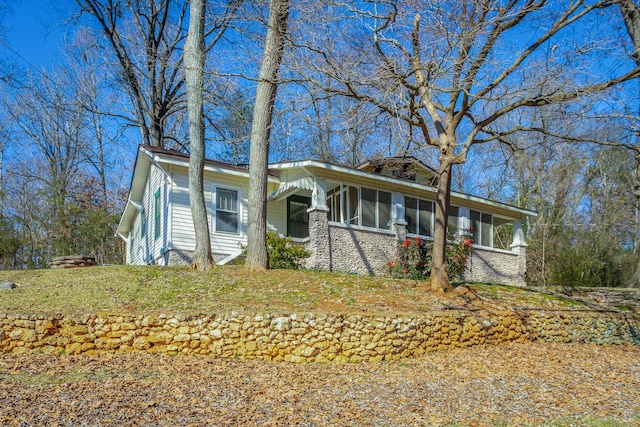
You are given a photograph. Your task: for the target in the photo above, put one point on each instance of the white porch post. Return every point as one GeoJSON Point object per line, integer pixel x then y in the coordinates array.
{"type": "Point", "coordinates": [464, 223]}
{"type": "Point", "coordinates": [319, 195]}
{"type": "Point", "coordinates": [519, 246]}
{"type": "Point", "coordinates": [398, 216]}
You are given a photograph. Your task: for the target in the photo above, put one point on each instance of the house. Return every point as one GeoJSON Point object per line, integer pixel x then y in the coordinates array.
{"type": "Point", "coordinates": [351, 219]}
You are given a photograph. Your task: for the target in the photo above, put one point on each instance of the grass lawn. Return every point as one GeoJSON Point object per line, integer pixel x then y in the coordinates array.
{"type": "Point", "coordinates": [151, 289]}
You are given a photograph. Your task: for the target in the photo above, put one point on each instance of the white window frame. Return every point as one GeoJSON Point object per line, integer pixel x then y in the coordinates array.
{"type": "Point", "coordinates": [214, 203]}
{"type": "Point", "coordinates": [433, 215]}
{"type": "Point", "coordinates": [479, 229]}
{"type": "Point", "coordinates": [339, 192]}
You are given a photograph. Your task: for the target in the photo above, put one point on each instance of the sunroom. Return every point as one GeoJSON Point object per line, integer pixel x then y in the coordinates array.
{"type": "Point", "coordinates": [352, 219]}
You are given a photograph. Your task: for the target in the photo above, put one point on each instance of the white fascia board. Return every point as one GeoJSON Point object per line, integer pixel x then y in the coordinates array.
{"type": "Point", "coordinates": [208, 168]}
{"type": "Point", "coordinates": [308, 164]}
{"type": "Point", "coordinates": [126, 219]}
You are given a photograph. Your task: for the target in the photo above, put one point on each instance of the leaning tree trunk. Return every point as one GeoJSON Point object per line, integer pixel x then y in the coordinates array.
{"type": "Point", "coordinates": [439, 279]}
{"type": "Point", "coordinates": [257, 257]}
{"type": "Point", "coordinates": [194, 76]}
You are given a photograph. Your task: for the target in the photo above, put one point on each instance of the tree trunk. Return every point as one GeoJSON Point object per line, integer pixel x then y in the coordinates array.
{"type": "Point", "coordinates": [439, 279]}
{"type": "Point", "coordinates": [631, 15]}
{"type": "Point", "coordinates": [257, 257]}
{"type": "Point", "coordinates": [194, 76]}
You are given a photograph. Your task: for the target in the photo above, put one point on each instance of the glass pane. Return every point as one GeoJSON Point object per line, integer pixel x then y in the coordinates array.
{"type": "Point", "coordinates": [476, 230]}
{"type": "Point", "coordinates": [298, 219]}
{"type": "Point", "coordinates": [502, 233]}
{"type": "Point", "coordinates": [486, 233]}
{"type": "Point", "coordinates": [368, 207]}
{"type": "Point", "coordinates": [452, 222]}
{"type": "Point", "coordinates": [227, 200]}
{"type": "Point", "coordinates": [227, 221]}
{"type": "Point", "coordinates": [384, 210]}
{"type": "Point", "coordinates": [411, 214]}
{"type": "Point", "coordinates": [426, 213]}
{"type": "Point", "coordinates": [226, 210]}
{"type": "Point", "coordinates": [353, 212]}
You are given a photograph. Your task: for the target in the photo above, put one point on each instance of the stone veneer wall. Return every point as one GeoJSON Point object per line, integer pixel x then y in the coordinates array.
{"type": "Point", "coordinates": [494, 266]}
{"type": "Point", "coordinates": [309, 337]}
{"type": "Point", "coordinates": [360, 251]}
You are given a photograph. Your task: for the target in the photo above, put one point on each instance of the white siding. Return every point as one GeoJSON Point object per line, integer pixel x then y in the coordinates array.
{"type": "Point", "coordinates": [183, 237]}
{"type": "Point", "coordinates": [182, 233]}
{"type": "Point", "coordinates": [221, 242]}
{"type": "Point", "coordinates": [277, 216]}
{"type": "Point", "coordinates": [147, 248]}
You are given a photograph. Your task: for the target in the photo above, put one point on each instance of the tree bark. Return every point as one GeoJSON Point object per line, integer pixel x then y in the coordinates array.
{"type": "Point", "coordinates": [631, 15]}
{"type": "Point", "coordinates": [257, 257]}
{"type": "Point", "coordinates": [439, 279]}
{"type": "Point", "coordinates": [194, 76]}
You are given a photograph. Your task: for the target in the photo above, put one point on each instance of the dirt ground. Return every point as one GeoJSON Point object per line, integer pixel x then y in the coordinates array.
{"type": "Point", "coordinates": [524, 384]}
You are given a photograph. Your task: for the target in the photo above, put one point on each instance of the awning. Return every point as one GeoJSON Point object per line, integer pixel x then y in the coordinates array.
{"type": "Point", "coordinates": [289, 187]}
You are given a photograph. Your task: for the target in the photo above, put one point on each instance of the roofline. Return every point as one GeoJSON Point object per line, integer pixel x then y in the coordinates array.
{"type": "Point", "coordinates": [177, 158]}
{"type": "Point", "coordinates": [410, 159]}
{"type": "Point", "coordinates": [394, 181]}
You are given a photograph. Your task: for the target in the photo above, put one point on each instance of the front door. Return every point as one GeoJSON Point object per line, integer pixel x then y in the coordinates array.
{"type": "Point", "coordinates": [297, 216]}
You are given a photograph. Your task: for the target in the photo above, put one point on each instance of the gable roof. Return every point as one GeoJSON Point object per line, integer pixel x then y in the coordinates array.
{"type": "Point", "coordinates": [406, 167]}
{"type": "Point", "coordinates": [376, 172]}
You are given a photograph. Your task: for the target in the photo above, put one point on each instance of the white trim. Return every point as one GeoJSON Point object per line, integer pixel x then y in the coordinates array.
{"type": "Point", "coordinates": [230, 257]}
{"type": "Point", "coordinates": [362, 228]}
{"type": "Point", "coordinates": [305, 164]}
{"type": "Point", "coordinates": [239, 208]}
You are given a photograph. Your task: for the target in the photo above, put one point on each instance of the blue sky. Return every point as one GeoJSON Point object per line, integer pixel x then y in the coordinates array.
{"type": "Point", "coordinates": [31, 32]}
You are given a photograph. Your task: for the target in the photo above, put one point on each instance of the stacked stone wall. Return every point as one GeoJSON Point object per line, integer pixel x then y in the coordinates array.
{"type": "Point", "coordinates": [309, 337]}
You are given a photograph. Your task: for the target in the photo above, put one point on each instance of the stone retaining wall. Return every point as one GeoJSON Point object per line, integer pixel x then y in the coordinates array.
{"type": "Point", "coordinates": [309, 337]}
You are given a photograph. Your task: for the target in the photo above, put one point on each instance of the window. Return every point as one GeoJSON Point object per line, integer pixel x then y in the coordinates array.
{"type": "Point", "coordinates": [157, 206]}
{"type": "Point", "coordinates": [360, 206]}
{"type": "Point", "coordinates": [143, 225]}
{"type": "Point", "coordinates": [226, 210]}
{"type": "Point", "coordinates": [131, 245]}
{"type": "Point", "coordinates": [482, 228]}
{"type": "Point", "coordinates": [334, 200]}
{"type": "Point", "coordinates": [452, 221]}
{"type": "Point", "coordinates": [298, 218]}
{"type": "Point", "coordinates": [419, 216]}
{"type": "Point", "coordinates": [353, 211]}
{"type": "Point", "coordinates": [369, 203]}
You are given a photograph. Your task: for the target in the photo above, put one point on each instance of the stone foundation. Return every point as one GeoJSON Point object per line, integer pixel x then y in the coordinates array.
{"type": "Point", "coordinates": [309, 337]}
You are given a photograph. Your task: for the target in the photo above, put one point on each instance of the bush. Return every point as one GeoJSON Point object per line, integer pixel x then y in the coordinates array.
{"type": "Point", "coordinates": [283, 253]}
{"type": "Point", "coordinates": [414, 260]}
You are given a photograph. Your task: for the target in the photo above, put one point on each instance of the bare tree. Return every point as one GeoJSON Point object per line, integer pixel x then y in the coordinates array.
{"type": "Point", "coordinates": [147, 38]}
{"type": "Point", "coordinates": [194, 57]}
{"type": "Point", "coordinates": [631, 15]}
{"type": "Point", "coordinates": [462, 75]}
{"type": "Point", "coordinates": [257, 257]}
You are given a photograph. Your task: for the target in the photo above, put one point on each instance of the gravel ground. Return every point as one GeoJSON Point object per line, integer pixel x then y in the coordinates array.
{"type": "Point", "coordinates": [524, 384]}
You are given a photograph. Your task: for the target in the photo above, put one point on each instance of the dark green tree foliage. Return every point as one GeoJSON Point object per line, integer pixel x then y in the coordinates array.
{"type": "Point", "coordinates": [283, 253]}
{"type": "Point", "coordinates": [88, 226]}
{"type": "Point", "coordinates": [584, 258]}
{"type": "Point", "coordinates": [9, 244]}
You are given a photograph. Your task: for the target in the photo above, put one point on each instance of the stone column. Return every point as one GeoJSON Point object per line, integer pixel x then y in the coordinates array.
{"type": "Point", "coordinates": [318, 243]}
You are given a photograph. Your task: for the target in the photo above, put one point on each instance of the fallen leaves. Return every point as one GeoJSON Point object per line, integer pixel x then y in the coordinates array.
{"type": "Point", "coordinates": [526, 384]}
